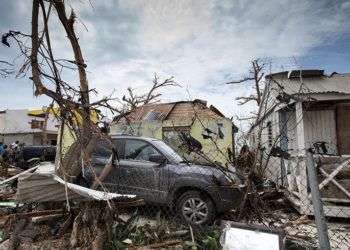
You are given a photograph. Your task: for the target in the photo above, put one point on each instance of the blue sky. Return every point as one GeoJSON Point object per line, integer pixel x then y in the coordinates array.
{"type": "Point", "coordinates": [201, 43]}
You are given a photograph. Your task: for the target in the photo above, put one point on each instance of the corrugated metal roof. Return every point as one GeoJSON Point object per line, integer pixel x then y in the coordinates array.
{"type": "Point", "coordinates": [337, 83]}
{"type": "Point", "coordinates": [44, 185]}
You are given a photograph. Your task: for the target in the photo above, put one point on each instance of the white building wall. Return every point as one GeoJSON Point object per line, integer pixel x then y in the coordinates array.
{"type": "Point", "coordinates": [321, 126]}
{"type": "Point", "coordinates": [18, 121]}
{"type": "Point", "coordinates": [28, 139]}
{"type": "Point", "coordinates": [16, 125]}
{"type": "Point", "coordinates": [273, 167]}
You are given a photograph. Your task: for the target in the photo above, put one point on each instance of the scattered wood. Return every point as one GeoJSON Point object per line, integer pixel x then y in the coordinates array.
{"type": "Point", "coordinates": [17, 229]}
{"type": "Point", "coordinates": [28, 215]}
{"type": "Point", "coordinates": [7, 196]}
{"type": "Point", "coordinates": [18, 175]}
{"type": "Point", "coordinates": [132, 203]}
{"type": "Point", "coordinates": [35, 214]}
{"type": "Point", "coordinates": [301, 220]}
{"type": "Point", "coordinates": [164, 244]}
{"type": "Point", "coordinates": [44, 218]}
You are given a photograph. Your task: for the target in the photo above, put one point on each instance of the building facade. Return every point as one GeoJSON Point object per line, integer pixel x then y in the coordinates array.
{"type": "Point", "coordinates": [306, 110]}
{"type": "Point", "coordinates": [170, 122]}
{"type": "Point", "coordinates": [32, 127]}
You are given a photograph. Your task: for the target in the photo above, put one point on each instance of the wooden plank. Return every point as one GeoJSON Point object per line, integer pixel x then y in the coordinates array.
{"type": "Point", "coordinates": [344, 174]}
{"type": "Point", "coordinates": [336, 200]}
{"type": "Point", "coordinates": [333, 174]}
{"type": "Point", "coordinates": [305, 203]}
{"type": "Point", "coordinates": [336, 183]}
{"type": "Point", "coordinates": [39, 219]}
{"type": "Point", "coordinates": [343, 125]}
{"type": "Point", "coordinates": [337, 211]}
{"type": "Point", "coordinates": [18, 175]}
{"type": "Point", "coordinates": [300, 129]}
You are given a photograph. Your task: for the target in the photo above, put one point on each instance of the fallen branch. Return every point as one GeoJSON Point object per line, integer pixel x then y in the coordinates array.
{"type": "Point", "coordinates": [163, 244]}
{"type": "Point", "coordinates": [34, 214]}
{"type": "Point", "coordinates": [18, 175]}
{"type": "Point", "coordinates": [39, 219]}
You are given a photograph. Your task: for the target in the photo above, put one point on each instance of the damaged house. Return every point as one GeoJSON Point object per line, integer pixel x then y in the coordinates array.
{"type": "Point", "coordinates": [207, 128]}
{"type": "Point", "coordinates": [32, 127]}
{"type": "Point", "coordinates": [308, 110]}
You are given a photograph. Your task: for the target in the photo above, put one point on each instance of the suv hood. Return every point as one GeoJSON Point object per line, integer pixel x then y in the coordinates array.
{"type": "Point", "coordinates": [211, 172]}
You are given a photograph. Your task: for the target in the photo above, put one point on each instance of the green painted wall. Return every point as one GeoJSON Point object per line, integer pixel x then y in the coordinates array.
{"type": "Point", "coordinates": [215, 149]}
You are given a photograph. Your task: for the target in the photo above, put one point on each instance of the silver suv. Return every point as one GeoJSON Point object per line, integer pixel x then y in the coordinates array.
{"type": "Point", "coordinates": [152, 170]}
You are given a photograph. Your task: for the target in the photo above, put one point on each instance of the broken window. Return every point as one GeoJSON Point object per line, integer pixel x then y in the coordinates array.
{"type": "Point", "coordinates": [35, 124]}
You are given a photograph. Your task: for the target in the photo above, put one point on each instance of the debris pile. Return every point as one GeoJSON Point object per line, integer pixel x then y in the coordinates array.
{"type": "Point", "coordinates": [40, 210]}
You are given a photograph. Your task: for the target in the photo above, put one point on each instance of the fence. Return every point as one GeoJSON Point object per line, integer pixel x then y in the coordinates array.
{"type": "Point", "coordinates": [331, 180]}
{"type": "Point", "coordinates": [186, 204]}
{"type": "Point", "coordinates": [191, 199]}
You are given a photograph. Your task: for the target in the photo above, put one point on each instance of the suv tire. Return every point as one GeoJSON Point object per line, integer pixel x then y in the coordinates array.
{"type": "Point", "coordinates": [195, 208]}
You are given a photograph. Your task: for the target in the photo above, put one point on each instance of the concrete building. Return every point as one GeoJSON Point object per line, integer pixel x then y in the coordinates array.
{"type": "Point", "coordinates": [168, 121]}
{"type": "Point", "coordinates": [31, 127]}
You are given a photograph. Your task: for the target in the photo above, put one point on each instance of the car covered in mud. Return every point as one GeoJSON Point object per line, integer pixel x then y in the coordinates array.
{"type": "Point", "coordinates": [153, 171]}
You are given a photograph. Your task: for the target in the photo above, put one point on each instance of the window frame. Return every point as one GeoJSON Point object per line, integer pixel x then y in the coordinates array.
{"type": "Point", "coordinates": [114, 144]}
{"type": "Point", "coordinates": [137, 139]}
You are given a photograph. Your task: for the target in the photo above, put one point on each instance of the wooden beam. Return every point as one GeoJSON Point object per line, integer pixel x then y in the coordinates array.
{"type": "Point", "coordinates": [346, 192]}
{"type": "Point", "coordinates": [336, 200]}
{"type": "Point", "coordinates": [300, 131]}
{"type": "Point", "coordinates": [337, 211]}
{"type": "Point", "coordinates": [333, 174]}
{"type": "Point", "coordinates": [18, 175]}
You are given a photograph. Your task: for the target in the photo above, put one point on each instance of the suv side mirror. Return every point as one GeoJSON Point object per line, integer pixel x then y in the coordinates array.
{"type": "Point", "coordinates": [157, 158]}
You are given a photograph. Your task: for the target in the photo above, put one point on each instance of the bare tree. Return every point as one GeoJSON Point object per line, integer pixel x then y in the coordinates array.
{"type": "Point", "coordinates": [256, 74]}
{"type": "Point", "coordinates": [132, 100]}
{"type": "Point", "coordinates": [6, 68]}
{"type": "Point", "coordinates": [46, 74]}
{"type": "Point", "coordinates": [75, 107]}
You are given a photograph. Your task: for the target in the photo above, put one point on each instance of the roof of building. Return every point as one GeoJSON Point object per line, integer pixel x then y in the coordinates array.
{"type": "Point", "coordinates": [306, 82]}
{"type": "Point", "coordinates": [311, 82]}
{"type": "Point", "coordinates": [173, 111]}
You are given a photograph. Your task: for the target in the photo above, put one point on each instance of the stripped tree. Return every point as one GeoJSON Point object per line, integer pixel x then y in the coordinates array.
{"type": "Point", "coordinates": [75, 109]}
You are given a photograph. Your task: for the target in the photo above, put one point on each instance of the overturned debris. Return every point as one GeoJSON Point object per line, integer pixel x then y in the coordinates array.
{"type": "Point", "coordinates": [44, 185]}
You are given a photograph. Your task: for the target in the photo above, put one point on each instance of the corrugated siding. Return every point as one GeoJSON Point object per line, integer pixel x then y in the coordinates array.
{"type": "Point", "coordinates": [321, 126]}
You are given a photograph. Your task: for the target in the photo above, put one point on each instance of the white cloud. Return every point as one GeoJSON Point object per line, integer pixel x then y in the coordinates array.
{"type": "Point", "coordinates": [202, 43]}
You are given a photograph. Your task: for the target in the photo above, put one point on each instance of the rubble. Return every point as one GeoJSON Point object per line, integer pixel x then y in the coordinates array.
{"type": "Point", "coordinates": [25, 223]}
{"type": "Point", "coordinates": [44, 185]}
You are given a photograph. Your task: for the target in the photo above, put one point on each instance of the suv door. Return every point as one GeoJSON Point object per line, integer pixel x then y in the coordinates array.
{"type": "Point", "coordinates": [138, 175]}
{"type": "Point", "coordinates": [100, 157]}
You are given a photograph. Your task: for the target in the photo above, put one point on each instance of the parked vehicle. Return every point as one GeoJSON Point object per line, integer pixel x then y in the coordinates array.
{"type": "Point", "coordinates": [30, 155]}
{"type": "Point", "coordinates": [153, 171]}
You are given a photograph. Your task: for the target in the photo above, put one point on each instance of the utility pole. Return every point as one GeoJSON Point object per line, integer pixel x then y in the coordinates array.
{"type": "Point", "coordinates": [322, 230]}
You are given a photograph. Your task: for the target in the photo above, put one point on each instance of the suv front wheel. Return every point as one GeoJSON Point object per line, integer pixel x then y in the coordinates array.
{"type": "Point", "coordinates": [196, 208]}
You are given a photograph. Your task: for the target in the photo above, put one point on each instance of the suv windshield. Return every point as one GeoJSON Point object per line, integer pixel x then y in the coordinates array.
{"type": "Point", "coordinates": [167, 150]}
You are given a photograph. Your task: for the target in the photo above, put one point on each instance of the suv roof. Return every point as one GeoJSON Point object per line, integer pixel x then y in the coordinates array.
{"type": "Point", "coordinates": [126, 136]}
